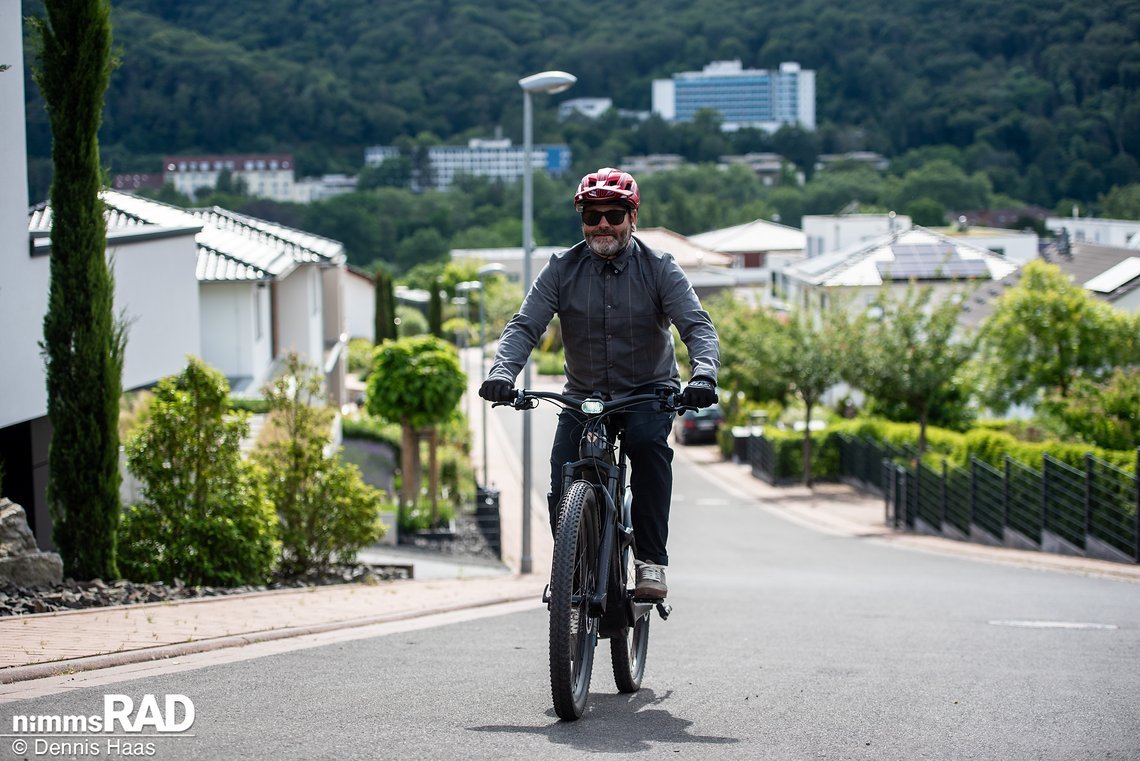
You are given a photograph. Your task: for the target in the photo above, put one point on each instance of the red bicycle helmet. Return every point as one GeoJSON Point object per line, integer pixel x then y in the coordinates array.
{"type": "Point", "coordinates": [607, 185]}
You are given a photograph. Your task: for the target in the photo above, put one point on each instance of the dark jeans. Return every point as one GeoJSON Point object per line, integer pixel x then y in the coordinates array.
{"type": "Point", "coordinates": [646, 444]}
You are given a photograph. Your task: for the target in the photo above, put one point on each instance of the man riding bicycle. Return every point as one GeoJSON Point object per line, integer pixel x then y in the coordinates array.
{"type": "Point", "coordinates": [616, 298]}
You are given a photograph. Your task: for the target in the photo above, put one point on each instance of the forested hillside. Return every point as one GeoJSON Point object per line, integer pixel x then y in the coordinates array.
{"type": "Point", "coordinates": [1040, 96]}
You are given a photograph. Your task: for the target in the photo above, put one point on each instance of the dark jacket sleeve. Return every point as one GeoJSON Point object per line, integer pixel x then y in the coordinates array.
{"type": "Point", "coordinates": [680, 303]}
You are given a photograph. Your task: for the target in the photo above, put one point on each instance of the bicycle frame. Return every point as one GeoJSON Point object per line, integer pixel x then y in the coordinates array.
{"type": "Point", "coordinates": [588, 595]}
{"type": "Point", "coordinates": [603, 463]}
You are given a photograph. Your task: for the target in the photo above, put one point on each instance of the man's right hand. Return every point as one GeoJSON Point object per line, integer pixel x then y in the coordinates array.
{"type": "Point", "coordinates": [497, 390]}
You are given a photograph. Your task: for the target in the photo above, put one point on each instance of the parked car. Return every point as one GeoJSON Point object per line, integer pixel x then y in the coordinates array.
{"type": "Point", "coordinates": [698, 426]}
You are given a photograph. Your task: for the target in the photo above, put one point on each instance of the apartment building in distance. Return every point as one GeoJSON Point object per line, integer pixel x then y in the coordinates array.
{"type": "Point", "coordinates": [267, 175]}
{"type": "Point", "coordinates": [496, 158]}
{"type": "Point", "coordinates": [760, 98]}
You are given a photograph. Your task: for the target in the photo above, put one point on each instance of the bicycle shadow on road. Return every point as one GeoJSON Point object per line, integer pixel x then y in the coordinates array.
{"type": "Point", "coordinates": [616, 723]}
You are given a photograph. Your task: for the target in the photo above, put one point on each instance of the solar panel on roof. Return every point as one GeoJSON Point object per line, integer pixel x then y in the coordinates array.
{"type": "Point", "coordinates": [1116, 276]}
{"type": "Point", "coordinates": [930, 261]}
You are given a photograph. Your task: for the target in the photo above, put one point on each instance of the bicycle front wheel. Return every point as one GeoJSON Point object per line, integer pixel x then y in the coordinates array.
{"type": "Point", "coordinates": [573, 633]}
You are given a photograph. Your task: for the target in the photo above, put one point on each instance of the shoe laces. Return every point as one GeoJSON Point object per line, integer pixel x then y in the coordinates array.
{"type": "Point", "coordinates": [649, 572]}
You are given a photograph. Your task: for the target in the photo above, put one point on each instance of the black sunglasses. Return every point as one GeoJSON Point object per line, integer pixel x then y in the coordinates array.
{"type": "Point", "coordinates": [592, 217]}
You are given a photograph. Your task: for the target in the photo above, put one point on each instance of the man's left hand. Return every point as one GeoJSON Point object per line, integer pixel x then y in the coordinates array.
{"type": "Point", "coordinates": [699, 393]}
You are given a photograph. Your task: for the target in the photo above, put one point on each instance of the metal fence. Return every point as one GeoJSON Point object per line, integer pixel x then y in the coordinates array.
{"type": "Point", "coordinates": [1094, 511]}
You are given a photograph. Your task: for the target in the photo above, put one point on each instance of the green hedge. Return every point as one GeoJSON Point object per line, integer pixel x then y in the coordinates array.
{"type": "Point", "coordinates": [371, 429]}
{"type": "Point", "coordinates": [987, 445]}
{"type": "Point", "coordinates": [255, 406]}
{"type": "Point", "coordinates": [788, 447]}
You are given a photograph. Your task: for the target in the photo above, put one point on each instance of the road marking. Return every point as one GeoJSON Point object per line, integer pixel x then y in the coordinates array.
{"type": "Point", "coordinates": [1052, 625]}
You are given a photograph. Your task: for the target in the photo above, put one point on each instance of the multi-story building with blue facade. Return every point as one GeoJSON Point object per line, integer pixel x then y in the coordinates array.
{"type": "Point", "coordinates": [481, 158]}
{"type": "Point", "coordinates": [744, 97]}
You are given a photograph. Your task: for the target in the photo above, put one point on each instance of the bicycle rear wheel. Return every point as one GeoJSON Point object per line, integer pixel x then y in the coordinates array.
{"type": "Point", "coordinates": [573, 633]}
{"type": "Point", "coordinates": [629, 648]}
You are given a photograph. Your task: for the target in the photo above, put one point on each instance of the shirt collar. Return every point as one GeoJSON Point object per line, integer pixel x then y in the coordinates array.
{"type": "Point", "coordinates": [619, 262]}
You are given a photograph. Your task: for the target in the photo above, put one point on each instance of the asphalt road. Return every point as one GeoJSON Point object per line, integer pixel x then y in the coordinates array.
{"type": "Point", "coordinates": [785, 643]}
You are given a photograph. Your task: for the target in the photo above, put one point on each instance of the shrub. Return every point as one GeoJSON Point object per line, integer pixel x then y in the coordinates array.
{"type": "Point", "coordinates": [788, 447]}
{"type": "Point", "coordinates": [549, 363]}
{"type": "Point", "coordinates": [360, 356]}
{"type": "Point", "coordinates": [254, 406]}
{"type": "Point", "coordinates": [419, 516]}
{"type": "Point", "coordinates": [373, 429]}
{"type": "Point", "coordinates": [204, 517]}
{"type": "Point", "coordinates": [325, 510]}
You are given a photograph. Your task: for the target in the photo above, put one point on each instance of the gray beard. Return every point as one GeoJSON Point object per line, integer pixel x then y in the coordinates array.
{"type": "Point", "coordinates": [607, 247]}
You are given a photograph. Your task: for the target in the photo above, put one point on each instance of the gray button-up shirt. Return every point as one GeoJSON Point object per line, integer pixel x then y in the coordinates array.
{"type": "Point", "coordinates": [615, 318]}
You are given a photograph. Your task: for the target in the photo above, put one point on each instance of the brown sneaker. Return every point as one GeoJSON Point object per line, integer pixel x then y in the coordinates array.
{"type": "Point", "coordinates": [650, 582]}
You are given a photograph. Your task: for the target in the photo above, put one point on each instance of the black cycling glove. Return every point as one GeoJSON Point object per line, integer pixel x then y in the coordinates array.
{"type": "Point", "coordinates": [699, 393]}
{"type": "Point", "coordinates": [497, 390]}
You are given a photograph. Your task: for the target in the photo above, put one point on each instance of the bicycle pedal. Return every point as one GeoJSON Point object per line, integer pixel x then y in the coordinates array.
{"type": "Point", "coordinates": [664, 610]}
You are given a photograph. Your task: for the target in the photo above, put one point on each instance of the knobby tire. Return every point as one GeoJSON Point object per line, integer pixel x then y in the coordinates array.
{"type": "Point", "coordinates": [573, 634]}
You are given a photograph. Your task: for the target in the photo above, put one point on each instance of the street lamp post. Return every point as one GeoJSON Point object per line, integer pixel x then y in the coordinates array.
{"type": "Point", "coordinates": [543, 82]}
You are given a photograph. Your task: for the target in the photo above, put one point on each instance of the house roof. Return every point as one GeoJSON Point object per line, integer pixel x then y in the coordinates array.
{"type": "Point", "coordinates": [1108, 272]}
{"type": "Point", "coordinates": [752, 237]}
{"type": "Point", "coordinates": [916, 253]}
{"type": "Point", "coordinates": [689, 255]}
{"type": "Point", "coordinates": [231, 246]}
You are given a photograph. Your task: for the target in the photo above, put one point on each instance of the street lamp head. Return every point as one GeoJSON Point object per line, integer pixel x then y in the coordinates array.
{"type": "Point", "coordinates": [547, 81]}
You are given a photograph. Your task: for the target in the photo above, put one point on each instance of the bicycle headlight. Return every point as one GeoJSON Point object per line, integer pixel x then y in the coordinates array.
{"type": "Point", "coordinates": [593, 406]}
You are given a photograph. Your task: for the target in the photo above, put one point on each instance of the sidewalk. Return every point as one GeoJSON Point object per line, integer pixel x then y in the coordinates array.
{"type": "Point", "coordinates": [48, 644]}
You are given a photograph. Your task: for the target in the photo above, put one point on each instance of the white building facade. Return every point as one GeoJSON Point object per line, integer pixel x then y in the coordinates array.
{"type": "Point", "coordinates": [1105, 232]}
{"type": "Point", "coordinates": [760, 98]}
{"type": "Point", "coordinates": [266, 175]}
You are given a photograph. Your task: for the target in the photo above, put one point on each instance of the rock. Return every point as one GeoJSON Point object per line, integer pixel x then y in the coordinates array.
{"type": "Point", "coordinates": [21, 562]}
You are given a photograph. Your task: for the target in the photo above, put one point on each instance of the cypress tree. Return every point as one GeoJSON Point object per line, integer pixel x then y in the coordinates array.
{"type": "Point", "coordinates": [384, 320]}
{"type": "Point", "coordinates": [435, 311]}
{"type": "Point", "coordinates": [83, 344]}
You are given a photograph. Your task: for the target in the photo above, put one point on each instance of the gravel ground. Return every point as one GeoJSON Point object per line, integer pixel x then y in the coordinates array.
{"type": "Point", "coordinates": [465, 541]}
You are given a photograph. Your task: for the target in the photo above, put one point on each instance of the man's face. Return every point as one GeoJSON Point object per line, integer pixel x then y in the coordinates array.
{"type": "Point", "coordinates": [607, 238]}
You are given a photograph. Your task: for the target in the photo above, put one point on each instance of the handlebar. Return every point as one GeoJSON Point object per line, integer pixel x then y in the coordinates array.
{"type": "Point", "coordinates": [526, 399]}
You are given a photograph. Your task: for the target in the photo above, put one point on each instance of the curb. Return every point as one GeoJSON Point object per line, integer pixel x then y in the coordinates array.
{"type": "Point", "coordinates": [162, 652]}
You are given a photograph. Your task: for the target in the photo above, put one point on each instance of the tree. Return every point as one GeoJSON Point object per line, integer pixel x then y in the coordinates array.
{"type": "Point", "coordinates": [83, 344]}
{"type": "Point", "coordinates": [325, 511]}
{"type": "Point", "coordinates": [384, 321]}
{"type": "Point", "coordinates": [1102, 414]}
{"type": "Point", "coordinates": [749, 348]}
{"type": "Point", "coordinates": [435, 310]}
{"type": "Point", "coordinates": [204, 517]}
{"type": "Point", "coordinates": [1045, 333]}
{"type": "Point", "coordinates": [416, 382]}
{"type": "Point", "coordinates": [911, 354]}
{"type": "Point", "coordinates": [1122, 202]}
{"type": "Point", "coordinates": [812, 357]}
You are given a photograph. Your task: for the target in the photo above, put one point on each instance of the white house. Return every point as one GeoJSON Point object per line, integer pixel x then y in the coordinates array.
{"type": "Point", "coordinates": [155, 290]}
{"type": "Point", "coordinates": [1105, 232]}
{"type": "Point", "coordinates": [359, 304]}
{"type": "Point", "coordinates": [265, 289]}
{"type": "Point", "coordinates": [1018, 246]}
{"type": "Point", "coordinates": [824, 233]}
{"type": "Point", "coordinates": [854, 276]}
